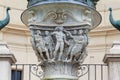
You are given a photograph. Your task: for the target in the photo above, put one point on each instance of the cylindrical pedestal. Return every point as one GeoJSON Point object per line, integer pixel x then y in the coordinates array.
{"type": "Point", "coordinates": [59, 31]}
{"type": "Point", "coordinates": [5, 66]}
{"type": "Point", "coordinates": [60, 71]}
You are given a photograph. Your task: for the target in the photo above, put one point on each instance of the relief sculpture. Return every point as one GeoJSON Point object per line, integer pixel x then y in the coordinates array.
{"type": "Point", "coordinates": [60, 49]}
{"type": "Point", "coordinates": [60, 41]}
{"type": "Point", "coordinates": [59, 35]}
{"type": "Point", "coordinates": [77, 45]}
{"type": "Point", "coordinates": [60, 45]}
{"type": "Point", "coordinates": [49, 43]}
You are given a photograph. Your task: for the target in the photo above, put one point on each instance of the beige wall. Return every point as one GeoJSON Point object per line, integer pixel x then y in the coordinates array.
{"type": "Point", "coordinates": [17, 35]}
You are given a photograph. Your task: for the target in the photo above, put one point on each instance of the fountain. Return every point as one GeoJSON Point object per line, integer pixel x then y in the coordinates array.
{"type": "Point", "coordinates": [59, 34]}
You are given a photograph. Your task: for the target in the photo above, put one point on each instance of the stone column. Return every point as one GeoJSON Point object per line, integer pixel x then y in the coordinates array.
{"type": "Point", "coordinates": [6, 59]}
{"type": "Point", "coordinates": [113, 61]}
{"type": "Point", "coordinates": [59, 37]}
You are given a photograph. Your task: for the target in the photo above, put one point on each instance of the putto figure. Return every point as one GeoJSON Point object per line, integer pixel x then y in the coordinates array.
{"type": "Point", "coordinates": [49, 43]}
{"type": "Point", "coordinates": [60, 40]}
{"type": "Point", "coordinates": [76, 48]}
{"type": "Point", "coordinates": [40, 45]}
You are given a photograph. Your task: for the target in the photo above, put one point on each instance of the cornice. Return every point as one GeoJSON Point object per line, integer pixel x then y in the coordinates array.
{"type": "Point", "coordinates": [104, 30]}
{"type": "Point", "coordinates": [111, 58]}
{"type": "Point", "coordinates": [19, 30]}
{"type": "Point", "coordinates": [10, 57]}
{"type": "Point", "coordinates": [18, 26]}
{"type": "Point", "coordinates": [24, 30]}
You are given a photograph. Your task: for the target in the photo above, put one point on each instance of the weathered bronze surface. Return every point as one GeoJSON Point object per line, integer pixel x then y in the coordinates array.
{"type": "Point", "coordinates": [115, 23]}
{"type": "Point", "coordinates": [90, 3]}
{"type": "Point", "coordinates": [4, 22]}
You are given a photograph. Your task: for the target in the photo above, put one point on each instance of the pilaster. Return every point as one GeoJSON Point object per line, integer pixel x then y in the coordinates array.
{"type": "Point", "coordinates": [6, 59]}
{"type": "Point", "coordinates": [113, 61]}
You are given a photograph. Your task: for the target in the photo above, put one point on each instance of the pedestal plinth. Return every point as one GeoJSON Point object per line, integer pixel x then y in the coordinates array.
{"type": "Point", "coordinates": [6, 59]}
{"type": "Point", "coordinates": [5, 66]}
{"type": "Point", "coordinates": [113, 62]}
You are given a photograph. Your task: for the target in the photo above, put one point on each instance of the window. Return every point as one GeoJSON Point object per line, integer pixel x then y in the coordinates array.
{"type": "Point", "coordinates": [16, 75]}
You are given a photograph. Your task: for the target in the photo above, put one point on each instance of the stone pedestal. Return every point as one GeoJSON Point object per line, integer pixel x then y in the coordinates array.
{"type": "Point", "coordinates": [113, 61]}
{"type": "Point", "coordinates": [60, 70]}
{"type": "Point", "coordinates": [6, 59]}
{"type": "Point", "coordinates": [59, 37]}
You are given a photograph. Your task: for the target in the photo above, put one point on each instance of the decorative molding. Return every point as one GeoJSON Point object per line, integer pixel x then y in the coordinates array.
{"type": "Point", "coordinates": [59, 16]}
{"type": "Point", "coordinates": [9, 57]}
{"type": "Point", "coordinates": [111, 58]}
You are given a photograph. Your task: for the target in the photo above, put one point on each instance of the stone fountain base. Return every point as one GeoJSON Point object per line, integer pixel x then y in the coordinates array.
{"type": "Point", "coordinates": [59, 31]}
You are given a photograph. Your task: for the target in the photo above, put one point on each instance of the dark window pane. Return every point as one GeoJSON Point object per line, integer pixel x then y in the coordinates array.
{"type": "Point", "coordinates": [16, 75]}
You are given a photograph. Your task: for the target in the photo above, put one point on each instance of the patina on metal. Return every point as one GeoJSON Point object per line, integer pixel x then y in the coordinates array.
{"type": "Point", "coordinates": [65, 12]}
{"type": "Point", "coordinates": [59, 35]}
{"type": "Point", "coordinates": [90, 3]}
{"type": "Point", "coordinates": [4, 22]}
{"type": "Point", "coordinates": [115, 23]}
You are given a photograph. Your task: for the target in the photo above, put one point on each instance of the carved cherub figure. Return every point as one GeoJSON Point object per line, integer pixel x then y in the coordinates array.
{"type": "Point", "coordinates": [84, 51]}
{"type": "Point", "coordinates": [60, 40]}
{"type": "Point", "coordinates": [32, 39]}
{"type": "Point", "coordinates": [40, 45]}
{"type": "Point", "coordinates": [49, 43]}
{"type": "Point", "coordinates": [76, 48]}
